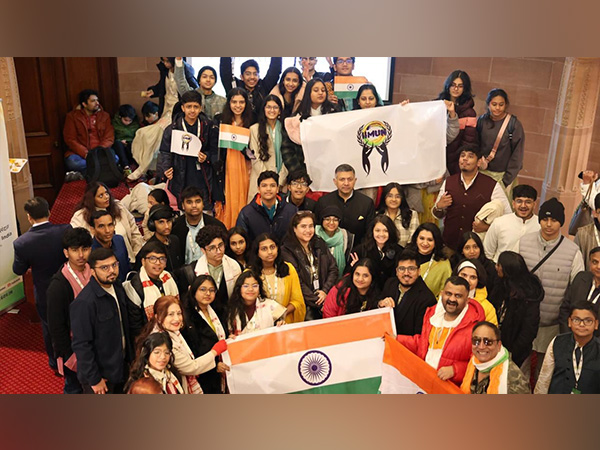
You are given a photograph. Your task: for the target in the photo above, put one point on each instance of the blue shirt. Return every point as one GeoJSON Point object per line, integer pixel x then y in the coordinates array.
{"type": "Point", "coordinates": [120, 250]}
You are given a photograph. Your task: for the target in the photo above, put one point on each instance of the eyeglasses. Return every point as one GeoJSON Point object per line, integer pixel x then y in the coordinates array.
{"type": "Point", "coordinates": [158, 352]}
{"type": "Point", "coordinates": [587, 321]}
{"type": "Point", "coordinates": [272, 107]}
{"type": "Point", "coordinates": [299, 183]}
{"type": "Point", "coordinates": [108, 267]}
{"type": "Point", "coordinates": [155, 259]}
{"type": "Point", "coordinates": [519, 201]}
{"type": "Point", "coordinates": [486, 342]}
{"type": "Point", "coordinates": [214, 248]}
{"type": "Point", "coordinates": [250, 286]}
{"type": "Point", "coordinates": [344, 61]}
{"type": "Point", "coordinates": [456, 86]}
{"type": "Point", "coordinates": [204, 290]}
{"type": "Point", "coordinates": [309, 58]}
{"type": "Point", "coordinates": [394, 196]}
{"type": "Point", "coordinates": [331, 219]}
{"type": "Point", "coordinates": [409, 269]}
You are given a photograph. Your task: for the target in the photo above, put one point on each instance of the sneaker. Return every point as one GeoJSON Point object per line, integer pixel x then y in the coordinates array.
{"type": "Point", "coordinates": [127, 171]}
{"type": "Point", "coordinates": [73, 176]}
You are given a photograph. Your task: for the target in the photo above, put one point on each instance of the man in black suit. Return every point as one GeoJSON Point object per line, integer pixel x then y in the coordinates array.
{"type": "Point", "coordinates": [187, 226]}
{"type": "Point", "coordinates": [408, 295]}
{"type": "Point", "coordinates": [40, 249]}
{"type": "Point", "coordinates": [585, 286]}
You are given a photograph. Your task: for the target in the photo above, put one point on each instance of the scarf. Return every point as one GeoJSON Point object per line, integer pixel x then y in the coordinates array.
{"type": "Point", "coordinates": [336, 245]}
{"type": "Point", "coordinates": [497, 368]}
{"type": "Point", "coordinates": [77, 282]}
{"type": "Point", "coordinates": [193, 387]}
{"type": "Point", "coordinates": [266, 313]}
{"type": "Point", "coordinates": [169, 382]}
{"type": "Point", "coordinates": [275, 134]}
{"type": "Point", "coordinates": [152, 293]}
{"type": "Point", "coordinates": [214, 323]}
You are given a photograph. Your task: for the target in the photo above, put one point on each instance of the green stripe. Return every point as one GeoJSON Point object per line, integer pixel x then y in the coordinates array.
{"type": "Point", "coordinates": [364, 386]}
{"type": "Point", "coordinates": [232, 144]}
{"type": "Point", "coordinates": [346, 94]}
{"type": "Point", "coordinates": [11, 296]}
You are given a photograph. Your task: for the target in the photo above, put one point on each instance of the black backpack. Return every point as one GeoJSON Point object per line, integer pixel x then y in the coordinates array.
{"type": "Point", "coordinates": [102, 167]}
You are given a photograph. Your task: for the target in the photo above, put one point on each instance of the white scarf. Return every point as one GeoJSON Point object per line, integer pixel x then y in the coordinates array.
{"type": "Point", "coordinates": [218, 327]}
{"type": "Point", "coordinates": [167, 380]}
{"type": "Point", "coordinates": [434, 355]}
{"type": "Point", "coordinates": [267, 311]}
{"type": "Point", "coordinates": [152, 293]}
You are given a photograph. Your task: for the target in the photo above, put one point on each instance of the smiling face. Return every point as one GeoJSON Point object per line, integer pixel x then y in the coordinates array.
{"type": "Point", "coordinates": [469, 274]}
{"type": "Point", "coordinates": [305, 230]}
{"type": "Point", "coordinates": [380, 234]}
{"type": "Point", "coordinates": [467, 162]}
{"type": "Point", "coordinates": [191, 110]}
{"type": "Point", "coordinates": [205, 294]}
{"type": "Point", "coordinates": [523, 207]}
{"type": "Point", "coordinates": [159, 357]}
{"type": "Point", "coordinates": [344, 66]}
{"type": "Point", "coordinates": [250, 77]}
{"type": "Point", "coordinates": [291, 82]}
{"type": "Point", "coordinates": [298, 189]}
{"type": "Point", "coordinates": [362, 279]}
{"type": "Point", "coordinates": [174, 319]}
{"type": "Point", "coordinates": [237, 104]}
{"type": "Point", "coordinates": [330, 224]}
{"type": "Point", "coordinates": [272, 110]}
{"type": "Point", "coordinates": [250, 291]}
{"type": "Point", "coordinates": [482, 335]}
{"type": "Point", "coordinates": [393, 199]}
{"type": "Point", "coordinates": [345, 181]}
{"type": "Point", "coordinates": [102, 198]}
{"type": "Point", "coordinates": [367, 99]}
{"type": "Point", "coordinates": [454, 299]}
{"type": "Point", "coordinates": [425, 242]}
{"type": "Point", "coordinates": [207, 80]}
{"type": "Point", "coordinates": [471, 250]}
{"type": "Point", "coordinates": [154, 263]}
{"type": "Point", "coordinates": [407, 272]}
{"type": "Point", "coordinates": [268, 189]}
{"type": "Point", "coordinates": [237, 244]}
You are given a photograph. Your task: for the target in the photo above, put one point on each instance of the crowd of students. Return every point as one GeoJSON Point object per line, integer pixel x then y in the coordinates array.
{"type": "Point", "coordinates": [235, 242]}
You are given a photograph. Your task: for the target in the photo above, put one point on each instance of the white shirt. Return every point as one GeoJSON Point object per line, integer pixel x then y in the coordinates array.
{"type": "Point", "coordinates": [39, 223]}
{"type": "Point", "coordinates": [505, 232]}
{"type": "Point", "coordinates": [595, 191]}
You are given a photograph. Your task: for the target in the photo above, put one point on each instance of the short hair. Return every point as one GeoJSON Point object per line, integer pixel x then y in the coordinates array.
{"type": "Point", "coordinates": [149, 107]}
{"type": "Point", "coordinates": [458, 281]}
{"type": "Point", "coordinates": [299, 174]}
{"type": "Point", "coordinates": [189, 192]}
{"type": "Point", "coordinates": [127, 111]}
{"type": "Point", "coordinates": [485, 323]}
{"type": "Point", "coordinates": [470, 147]}
{"type": "Point", "coordinates": [191, 97]}
{"type": "Point", "coordinates": [160, 195]}
{"type": "Point", "coordinates": [97, 214]}
{"type": "Point", "coordinates": [76, 237]}
{"type": "Point", "coordinates": [209, 233]}
{"type": "Point", "coordinates": [524, 190]}
{"type": "Point", "coordinates": [204, 69]}
{"type": "Point", "coordinates": [37, 208]}
{"type": "Point", "coordinates": [344, 168]}
{"type": "Point", "coordinates": [335, 58]}
{"type": "Point", "coordinates": [249, 63]}
{"type": "Point", "coordinates": [406, 255]}
{"type": "Point", "coordinates": [85, 94]}
{"type": "Point", "coordinates": [145, 385]}
{"type": "Point", "coordinates": [597, 202]}
{"type": "Point", "coordinates": [266, 175]}
{"type": "Point", "coordinates": [584, 305]}
{"type": "Point", "coordinates": [99, 254]}
{"type": "Point", "coordinates": [152, 247]}
{"type": "Point", "coordinates": [594, 250]}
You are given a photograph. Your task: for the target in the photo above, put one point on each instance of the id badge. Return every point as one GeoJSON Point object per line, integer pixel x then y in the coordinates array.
{"type": "Point", "coordinates": [316, 285]}
{"type": "Point", "coordinates": [575, 391]}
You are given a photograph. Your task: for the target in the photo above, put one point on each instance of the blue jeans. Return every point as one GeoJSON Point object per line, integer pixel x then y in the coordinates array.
{"type": "Point", "coordinates": [75, 163]}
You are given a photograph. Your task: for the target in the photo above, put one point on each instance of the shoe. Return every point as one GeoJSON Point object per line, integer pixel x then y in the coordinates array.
{"type": "Point", "coordinates": [70, 176]}
{"type": "Point", "coordinates": [127, 171]}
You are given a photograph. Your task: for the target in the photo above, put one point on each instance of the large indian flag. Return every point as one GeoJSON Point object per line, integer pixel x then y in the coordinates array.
{"type": "Point", "coordinates": [347, 87]}
{"type": "Point", "coordinates": [233, 137]}
{"type": "Point", "coordinates": [341, 355]}
{"type": "Point", "coordinates": [404, 372]}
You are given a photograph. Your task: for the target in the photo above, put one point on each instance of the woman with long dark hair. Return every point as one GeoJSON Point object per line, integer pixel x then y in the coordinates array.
{"type": "Point", "coordinates": [237, 246]}
{"type": "Point", "coordinates": [230, 166]}
{"type": "Point", "coordinates": [265, 143]}
{"type": "Point", "coordinates": [471, 247]}
{"type": "Point", "coordinates": [279, 277]}
{"type": "Point", "coordinates": [367, 97]}
{"type": "Point", "coordinates": [434, 266]}
{"type": "Point", "coordinates": [156, 360]}
{"type": "Point", "coordinates": [394, 205]}
{"type": "Point", "coordinates": [203, 329]}
{"type": "Point", "coordinates": [457, 89]}
{"type": "Point", "coordinates": [381, 246]}
{"type": "Point", "coordinates": [249, 308]}
{"type": "Point", "coordinates": [289, 90]}
{"type": "Point", "coordinates": [517, 298]}
{"type": "Point", "coordinates": [313, 261]}
{"type": "Point", "coordinates": [356, 292]}
{"type": "Point", "coordinates": [501, 138]}
{"type": "Point", "coordinates": [98, 196]}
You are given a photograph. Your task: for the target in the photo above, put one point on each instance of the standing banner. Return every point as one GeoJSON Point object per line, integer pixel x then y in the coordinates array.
{"type": "Point", "coordinates": [405, 144]}
{"type": "Point", "coordinates": [340, 355]}
{"type": "Point", "coordinates": [11, 285]}
{"type": "Point", "coordinates": [405, 373]}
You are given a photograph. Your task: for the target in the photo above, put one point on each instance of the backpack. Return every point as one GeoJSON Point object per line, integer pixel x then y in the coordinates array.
{"type": "Point", "coordinates": [102, 167]}
{"type": "Point", "coordinates": [510, 129]}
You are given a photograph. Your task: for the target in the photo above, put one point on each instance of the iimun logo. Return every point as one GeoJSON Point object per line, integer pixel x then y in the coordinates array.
{"type": "Point", "coordinates": [374, 135]}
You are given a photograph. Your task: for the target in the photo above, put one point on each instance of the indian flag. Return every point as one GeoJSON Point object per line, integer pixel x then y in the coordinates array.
{"type": "Point", "coordinates": [341, 355]}
{"type": "Point", "coordinates": [233, 137]}
{"type": "Point", "coordinates": [404, 372]}
{"type": "Point", "coordinates": [347, 87]}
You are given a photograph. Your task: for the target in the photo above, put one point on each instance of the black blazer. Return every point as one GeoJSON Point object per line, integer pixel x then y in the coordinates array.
{"type": "Point", "coordinates": [385, 268]}
{"type": "Point", "coordinates": [41, 249]}
{"type": "Point", "coordinates": [180, 230]}
{"type": "Point", "coordinates": [411, 310]}
{"type": "Point", "coordinates": [578, 291]}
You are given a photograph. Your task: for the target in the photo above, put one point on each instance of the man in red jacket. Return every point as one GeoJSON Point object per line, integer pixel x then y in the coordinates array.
{"type": "Point", "coordinates": [86, 127]}
{"type": "Point", "coordinates": [445, 339]}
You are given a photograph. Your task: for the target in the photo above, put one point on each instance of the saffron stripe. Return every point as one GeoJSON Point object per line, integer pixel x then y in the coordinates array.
{"type": "Point", "coordinates": [224, 128]}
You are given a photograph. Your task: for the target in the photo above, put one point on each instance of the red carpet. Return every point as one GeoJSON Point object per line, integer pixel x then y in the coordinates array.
{"type": "Point", "coordinates": [23, 361]}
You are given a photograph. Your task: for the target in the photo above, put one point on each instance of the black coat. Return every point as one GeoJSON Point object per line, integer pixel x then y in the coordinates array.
{"type": "Point", "coordinates": [180, 229]}
{"type": "Point", "coordinates": [59, 297]}
{"type": "Point", "coordinates": [328, 272]}
{"type": "Point", "coordinates": [174, 257]}
{"type": "Point", "coordinates": [97, 340]}
{"type": "Point", "coordinates": [357, 212]}
{"type": "Point", "coordinates": [578, 291]}
{"type": "Point", "coordinates": [409, 314]}
{"type": "Point", "coordinates": [385, 267]}
{"type": "Point", "coordinates": [159, 88]}
{"type": "Point", "coordinates": [200, 337]}
{"type": "Point", "coordinates": [519, 319]}
{"type": "Point", "coordinates": [254, 219]}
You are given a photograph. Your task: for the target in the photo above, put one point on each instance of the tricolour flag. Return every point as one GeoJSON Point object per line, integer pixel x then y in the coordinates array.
{"type": "Point", "coordinates": [233, 137]}
{"type": "Point", "coordinates": [341, 355]}
{"type": "Point", "coordinates": [347, 87]}
{"type": "Point", "coordinates": [404, 372]}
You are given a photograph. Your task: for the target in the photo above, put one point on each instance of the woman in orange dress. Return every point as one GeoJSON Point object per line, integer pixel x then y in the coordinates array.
{"type": "Point", "coordinates": [232, 166]}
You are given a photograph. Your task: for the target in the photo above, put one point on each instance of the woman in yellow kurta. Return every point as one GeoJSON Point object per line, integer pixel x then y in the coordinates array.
{"type": "Point", "coordinates": [234, 181]}
{"type": "Point", "coordinates": [280, 278]}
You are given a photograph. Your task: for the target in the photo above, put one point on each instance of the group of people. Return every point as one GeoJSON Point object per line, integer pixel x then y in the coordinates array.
{"type": "Point", "coordinates": [246, 246]}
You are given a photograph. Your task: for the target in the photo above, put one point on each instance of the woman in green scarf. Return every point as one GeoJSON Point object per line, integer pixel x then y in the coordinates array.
{"type": "Point", "coordinates": [339, 241]}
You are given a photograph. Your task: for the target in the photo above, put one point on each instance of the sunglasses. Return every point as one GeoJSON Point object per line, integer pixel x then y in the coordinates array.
{"type": "Point", "coordinates": [486, 342]}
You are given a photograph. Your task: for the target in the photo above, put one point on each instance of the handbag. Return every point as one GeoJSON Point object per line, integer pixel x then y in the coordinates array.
{"type": "Point", "coordinates": [484, 161]}
{"type": "Point", "coordinates": [583, 213]}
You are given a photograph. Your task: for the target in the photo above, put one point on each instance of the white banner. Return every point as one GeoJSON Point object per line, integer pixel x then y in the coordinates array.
{"type": "Point", "coordinates": [405, 144]}
{"type": "Point", "coordinates": [186, 144]}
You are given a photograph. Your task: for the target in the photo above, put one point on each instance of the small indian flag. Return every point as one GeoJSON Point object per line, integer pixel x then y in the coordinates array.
{"type": "Point", "coordinates": [341, 355]}
{"type": "Point", "coordinates": [347, 87]}
{"type": "Point", "coordinates": [404, 372]}
{"type": "Point", "coordinates": [233, 137]}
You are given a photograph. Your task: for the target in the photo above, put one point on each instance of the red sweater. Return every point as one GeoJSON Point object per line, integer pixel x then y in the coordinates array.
{"type": "Point", "coordinates": [76, 132]}
{"type": "Point", "coordinates": [457, 350]}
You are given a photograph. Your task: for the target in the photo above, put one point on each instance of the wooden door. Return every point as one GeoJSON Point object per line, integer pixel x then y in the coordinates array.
{"type": "Point", "coordinates": [49, 88]}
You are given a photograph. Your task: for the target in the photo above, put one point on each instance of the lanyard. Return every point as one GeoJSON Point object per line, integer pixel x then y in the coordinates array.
{"type": "Point", "coordinates": [428, 269]}
{"type": "Point", "coordinates": [595, 299]}
{"type": "Point", "coordinates": [75, 276]}
{"type": "Point", "coordinates": [186, 130]}
{"type": "Point", "coordinates": [272, 292]}
{"type": "Point", "coordinates": [577, 367]}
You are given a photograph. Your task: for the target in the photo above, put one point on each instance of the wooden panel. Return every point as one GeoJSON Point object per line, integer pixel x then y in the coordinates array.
{"type": "Point", "coordinates": [31, 93]}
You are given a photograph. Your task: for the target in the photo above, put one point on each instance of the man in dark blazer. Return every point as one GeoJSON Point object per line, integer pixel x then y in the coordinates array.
{"type": "Point", "coordinates": [100, 326]}
{"type": "Point", "coordinates": [40, 249]}
{"type": "Point", "coordinates": [408, 295]}
{"type": "Point", "coordinates": [585, 286]}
